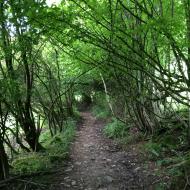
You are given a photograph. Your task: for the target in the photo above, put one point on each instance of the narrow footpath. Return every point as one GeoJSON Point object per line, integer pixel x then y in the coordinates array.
{"type": "Point", "coordinates": [97, 163]}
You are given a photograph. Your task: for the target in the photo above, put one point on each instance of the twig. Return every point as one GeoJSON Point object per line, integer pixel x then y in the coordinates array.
{"type": "Point", "coordinates": [12, 179]}
{"type": "Point", "coordinates": [31, 182]}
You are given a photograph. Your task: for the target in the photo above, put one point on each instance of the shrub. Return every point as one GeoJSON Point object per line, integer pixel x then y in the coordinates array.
{"type": "Point", "coordinates": [29, 163]}
{"type": "Point", "coordinates": [153, 150]}
{"type": "Point", "coordinates": [56, 151]}
{"type": "Point", "coordinates": [131, 138]}
{"type": "Point", "coordinates": [116, 129]}
{"type": "Point", "coordinates": [100, 112]}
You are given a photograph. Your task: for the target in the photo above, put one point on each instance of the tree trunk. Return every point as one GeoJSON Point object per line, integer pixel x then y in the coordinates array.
{"type": "Point", "coordinates": [4, 165]}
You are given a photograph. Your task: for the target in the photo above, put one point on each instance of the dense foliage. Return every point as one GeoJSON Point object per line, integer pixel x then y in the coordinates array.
{"type": "Point", "coordinates": [131, 58]}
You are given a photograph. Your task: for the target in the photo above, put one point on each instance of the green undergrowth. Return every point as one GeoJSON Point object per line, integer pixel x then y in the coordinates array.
{"type": "Point", "coordinates": [101, 112]}
{"type": "Point", "coordinates": [116, 129]}
{"type": "Point", "coordinates": [56, 151]}
{"type": "Point", "coordinates": [169, 150]}
{"type": "Point", "coordinates": [121, 132]}
{"type": "Point", "coordinates": [76, 114]}
{"type": "Point", "coordinates": [170, 161]}
{"type": "Point", "coordinates": [100, 107]}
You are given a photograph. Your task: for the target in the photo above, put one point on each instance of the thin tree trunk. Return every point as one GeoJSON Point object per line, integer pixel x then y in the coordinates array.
{"type": "Point", "coordinates": [107, 96]}
{"type": "Point", "coordinates": [4, 165]}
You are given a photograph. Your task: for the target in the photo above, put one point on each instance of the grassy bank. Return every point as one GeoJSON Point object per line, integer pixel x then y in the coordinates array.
{"type": "Point", "coordinates": [56, 151]}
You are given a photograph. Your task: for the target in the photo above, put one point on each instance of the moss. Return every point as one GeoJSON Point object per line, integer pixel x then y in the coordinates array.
{"type": "Point", "coordinates": [56, 151]}
{"type": "Point", "coordinates": [32, 162]}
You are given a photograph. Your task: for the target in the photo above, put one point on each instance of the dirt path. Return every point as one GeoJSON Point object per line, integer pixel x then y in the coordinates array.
{"type": "Point", "coordinates": [97, 163]}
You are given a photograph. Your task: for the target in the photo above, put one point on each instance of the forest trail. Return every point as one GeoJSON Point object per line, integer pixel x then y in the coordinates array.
{"type": "Point", "coordinates": [97, 163]}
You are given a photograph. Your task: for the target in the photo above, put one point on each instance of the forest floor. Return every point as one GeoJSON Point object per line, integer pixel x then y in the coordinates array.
{"type": "Point", "coordinates": [98, 163]}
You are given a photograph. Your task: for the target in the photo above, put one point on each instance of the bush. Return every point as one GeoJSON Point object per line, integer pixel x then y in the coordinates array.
{"type": "Point", "coordinates": [153, 150]}
{"type": "Point", "coordinates": [76, 115]}
{"type": "Point", "coordinates": [131, 138]}
{"type": "Point", "coordinates": [32, 162]}
{"type": "Point", "coordinates": [180, 174]}
{"type": "Point", "coordinates": [101, 112]}
{"type": "Point", "coordinates": [60, 143]}
{"type": "Point", "coordinates": [178, 168]}
{"type": "Point", "coordinates": [116, 129]}
{"type": "Point", "coordinates": [56, 151]}
{"type": "Point", "coordinates": [100, 109]}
